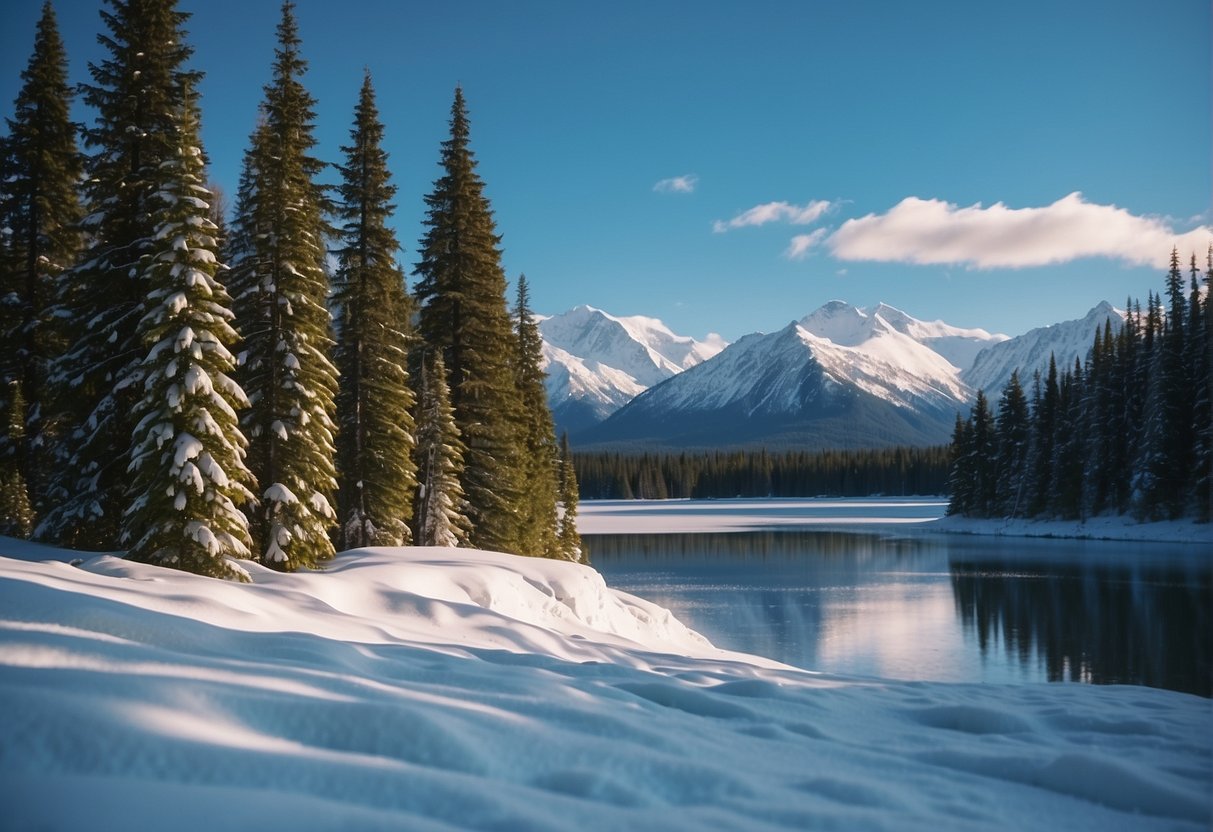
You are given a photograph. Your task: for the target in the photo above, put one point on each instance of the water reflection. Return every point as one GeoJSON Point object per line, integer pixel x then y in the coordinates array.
{"type": "Point", "coordinates": [935, 608]}
{"type": "Point", "coordinates": [1105, 624]}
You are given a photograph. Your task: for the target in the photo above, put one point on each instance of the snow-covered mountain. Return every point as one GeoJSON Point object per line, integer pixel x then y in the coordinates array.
{"type": "Point", "coordinates": [841, 376]}
{"type": "Point", "coordinates": [992, 368]}
{"type": "Point", "coordinates": [597, 362]}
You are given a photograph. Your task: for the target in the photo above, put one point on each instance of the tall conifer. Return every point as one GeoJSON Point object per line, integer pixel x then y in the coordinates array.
{"type": "Point", "coordinates": [187, 453]}
{"type": "Point", "coordinates": [441, 516]}
{"type": "Point", "coordinates": [538, 498]}
{"type": "Point", "coordinates": [462, 311]}
{"type": "Point", "coordinates": [281, 288]}
{"type": "Point", "coordinates": [374, 405]}
{"type": "Point", "coordinates": [136, 91]}
{"type": "Point", "coordinates": [40, 212]}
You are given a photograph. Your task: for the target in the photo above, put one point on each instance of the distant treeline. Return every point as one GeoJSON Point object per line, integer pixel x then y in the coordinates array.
{"type": "Point", "coordinates": [1128, 432]}
{"type": "Point", "coordinates": [759, 473]}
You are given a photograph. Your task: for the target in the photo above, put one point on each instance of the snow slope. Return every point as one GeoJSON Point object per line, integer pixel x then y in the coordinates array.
{"type": "Point", "coordinates": [431, 689]}
{"type": "Point", "coordinates": [992, 368]}
{"type": "Point", "coordinates": [597, 362]}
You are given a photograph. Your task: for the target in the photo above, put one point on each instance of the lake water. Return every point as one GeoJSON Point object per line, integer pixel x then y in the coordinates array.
{"type": "Point", "coordinates": [890, 602]}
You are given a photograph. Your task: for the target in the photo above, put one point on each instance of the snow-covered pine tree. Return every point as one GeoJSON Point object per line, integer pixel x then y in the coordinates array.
{"type": "Point", "coordinates": [441, 518]}
{"type": "Point", "coordinates": [136, 91]}
{"type": "Point", "coordinates": [281, 287]}
{"type": "Point", "coordinates": [537, 500]}
{"type": "Point", "coordinates": [375, 467]}
{"type": "Point", "coordinates": [187, 452]}
{"type": "Point", "coordinates": [40, 212]}
{"type": "Point", "coordinates": [16, 512]}
{"type": "Point", "coordinates": [571, 547]}
{"type": "Point", "coordinates": [462, 311]}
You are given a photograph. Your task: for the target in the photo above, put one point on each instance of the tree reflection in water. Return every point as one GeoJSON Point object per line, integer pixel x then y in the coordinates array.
{"type": "Point", "coordinates": [1092, 622]}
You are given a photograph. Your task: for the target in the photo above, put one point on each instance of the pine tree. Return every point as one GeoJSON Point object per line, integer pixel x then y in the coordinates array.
{"type": "Point", "coordinates": [1044, 429]}
{"type": "Point", "coordinates": [1202, 419]}
{"type": "Point", "coordinates": [187, 453]}
{"type": "Point", "coordinates": [569, 540]}
{"type": "Point", "coordinates": [984, 451]}
{"type": "Point", "coordinates": [40, 210]}
{"type": "Point", "coordinates": [375, 466]}
{"type": "Point", "coordinates": [1013, 435]}
{"type": "Point", "coordinates": [281, 289]}
{"type": "Point", "coordinates": [960, 477]}
{"type": "Point", "coordinates": [461, 295]}
{"type": "Point", "coordinates": [441, 516]}
{"type": "Point", "coordinates": [1168, 435]}
{"type": "Point", "coordinates": [136, 91]}
{"type": "Point", "coordinates": [16, 513]}
{"type": "Point", "coordinates": [537, 500]}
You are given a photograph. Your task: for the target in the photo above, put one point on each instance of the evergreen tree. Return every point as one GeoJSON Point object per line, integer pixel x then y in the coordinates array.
{"type": "Point", "coordinates": [983, 450]}
{"type": "Point", "coordinates": [136, 92]}
{"type": "Point", "coordinates": [40, 212]}
{"type": "Point", "coordinates": [375, 465]}
{"type": "Point", "coordinates": [569, 540]}
{"type": "Point", "coordinates": [1013, 435]}
{"type": "Point", "coordinates": [187, 453]}
{"type": "Point", "coordinates": [280, 285]}
{"type": "Point", "coordinates": [441, 516]}
{"type": "Point", "coordinates": [16, 513]}
{"type": "Point", "coordinates": [960, 479]}
{"type": "Point", "coordinates": [1169, 429]}
{"type": "Point", "coordinates": [1068, 447]}
{"type": "Point", "coordinates": [538, 496]}
{"type": "Point", "coordinates": [1202, 418]}
{"type": "Point", "coordinates": [1044, 428]}
{"type": "Point", "coordinates": [461, 295]}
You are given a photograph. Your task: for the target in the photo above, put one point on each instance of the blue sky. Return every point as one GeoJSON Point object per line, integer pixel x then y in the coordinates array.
{"type": "Point", "coordinates": [997, 165]}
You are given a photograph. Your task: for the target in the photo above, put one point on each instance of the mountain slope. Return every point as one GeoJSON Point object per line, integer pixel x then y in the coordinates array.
{"type": "Point", "coordinates": [992, 368]}
{"type": "Point", "coordinates": [597, 362]}
{"type": "Point", "coordinates": [840, 377]}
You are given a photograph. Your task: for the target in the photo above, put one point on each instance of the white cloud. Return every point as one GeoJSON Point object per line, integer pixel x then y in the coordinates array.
{"type": "Point", "coordinates": [684, 184]}
{"type": "Point", "coordinates": [802, 244]}
{"type": "Point", "coordinates": [775, 212]}
{"type": "Point", "coordinates": [931, 231]}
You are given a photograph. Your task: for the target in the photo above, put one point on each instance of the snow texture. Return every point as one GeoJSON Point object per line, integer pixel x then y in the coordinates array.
{"type": "Point", "coordinates": [441, 689]}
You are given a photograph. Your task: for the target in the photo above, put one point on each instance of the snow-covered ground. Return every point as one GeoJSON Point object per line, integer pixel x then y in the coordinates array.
{"type": "Point", "coordinates": [431, 689]}
{"type": "Point", "coordinates": [906, 515]}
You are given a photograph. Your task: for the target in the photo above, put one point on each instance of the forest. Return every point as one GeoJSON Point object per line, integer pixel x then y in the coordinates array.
{"type": "Point", "coordinates": [1127, 432]}
{"type": "Point", "coordinates": [902, 471]}
{"type": "Point", "coordinates": [198, 388]}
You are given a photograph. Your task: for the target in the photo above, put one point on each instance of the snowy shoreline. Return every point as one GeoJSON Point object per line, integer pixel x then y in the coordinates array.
{"type": "Point", "coordinates": [909, 515]}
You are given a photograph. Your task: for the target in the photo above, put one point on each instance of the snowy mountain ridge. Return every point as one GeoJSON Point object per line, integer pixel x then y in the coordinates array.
{"type": "Point", "coordinates": [597, 362]}
{"type": "Point", "coordinates": [1065, 341]}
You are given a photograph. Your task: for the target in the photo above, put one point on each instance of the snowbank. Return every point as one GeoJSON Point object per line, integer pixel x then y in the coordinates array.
{"type": "Point", "coordinates": [441, 689]}
{"type": "Point", "coordinates": [1095, 528]}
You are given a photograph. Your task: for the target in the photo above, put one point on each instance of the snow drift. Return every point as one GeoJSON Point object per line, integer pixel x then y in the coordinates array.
{"type": "Point", "coordinates": [444, 689]}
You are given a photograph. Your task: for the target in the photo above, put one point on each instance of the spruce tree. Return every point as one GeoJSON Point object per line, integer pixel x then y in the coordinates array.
{"type": "Point", "coordinates": [568, 538]}
{"type": "Point", "coordinates": [441, 516]}
{"type": "Point", "coordinates": [960, 476]}
{"type": "Point", "coordinates": [40, 210]}
{"type": "Point", "coordinates": [1202, 410]}
{"type": "Point", "coordinates": [1044, 429]}
{"type": "Point", "coordinates": [1013, 435]}
{"type": "Point", "coordinates": [280, 285]}
{"type": "Point", "coordinates": [136, 92]}
{"type": "Point", "coordinates": [537, 500]}
{"type": "Point", "coordinates": [462, 311]}
{"type": "Point", "coordinates": [16, 512]}
{"type": "Point", "coordinates": [187, 453]}
{"type": "Point", "coordinates": [375, 466]}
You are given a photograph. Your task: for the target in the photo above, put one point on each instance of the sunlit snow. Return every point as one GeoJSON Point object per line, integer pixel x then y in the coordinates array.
{"type": "Point", "coordinates": [443, 689]}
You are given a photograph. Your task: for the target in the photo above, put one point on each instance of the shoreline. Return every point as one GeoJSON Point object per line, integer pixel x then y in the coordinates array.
{"type": "Point", "coordinates": [907, 515]}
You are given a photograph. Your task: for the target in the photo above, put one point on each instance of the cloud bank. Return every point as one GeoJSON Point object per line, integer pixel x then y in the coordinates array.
{"type": "Point", "coordinates": [775, 212]}
{"type": "Point", "coordinates": [684, 184]}
{"type": "Point", "coordinates": [931, 231]}
{"type": "Point", "coordinates": [802, 244]}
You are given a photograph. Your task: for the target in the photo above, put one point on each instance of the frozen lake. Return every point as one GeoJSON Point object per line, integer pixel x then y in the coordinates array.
{"type": "Point", "coordinates": [853, 587]}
